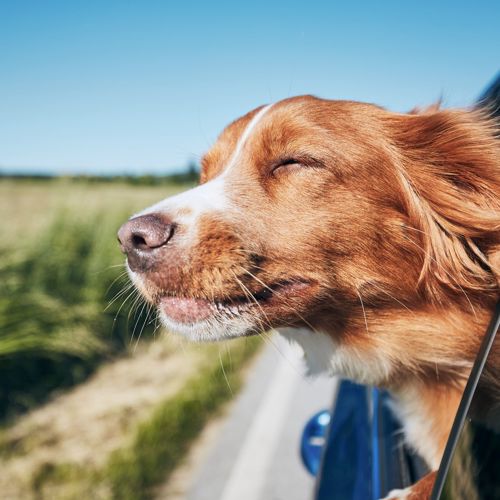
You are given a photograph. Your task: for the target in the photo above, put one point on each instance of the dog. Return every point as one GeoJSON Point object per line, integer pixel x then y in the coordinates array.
{"type": "Point", "coordinates": [371, 237]}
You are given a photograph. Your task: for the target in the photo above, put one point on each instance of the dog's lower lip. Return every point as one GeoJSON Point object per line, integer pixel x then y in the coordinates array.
{"type": "Point", "coordinates": [186, 310]}
{"type": "Point", "coordinates": [193, 310]}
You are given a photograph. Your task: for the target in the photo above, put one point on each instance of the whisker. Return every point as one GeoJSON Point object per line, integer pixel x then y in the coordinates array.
{"type": "Point", "coordinates": [247, 294]}
{"type": "Point", "coordinates": [123, 303]}
{"type": "Point", "coordinates": [282, 297]}
{"type": "Point", "coordinates": [118, 295]}
{"type": "Point", "coordinates": [108, 268]}
{"type": "Point", "coordinates": [120, 276]}
{"type": "Point", "coordinates": [256, 279]}
{"type": "Point", "coordinates": [364, 312]}
{"type": "Point", "coordinates": [144, 324]}
{"type": "Point", "coordinates": [156, 327]}
{"type": "Point", "coordinates": [268, 339]}
{"type": "Point", "coordinates": [374, 283]}
{"type": "Point", "coordinates": [133, 308]}
{"type": "Point", "coordinates": [224, 373]}
{"type": "Point", "coordinates": [137, 319]}
{"type": "Point", "coordinates": [250, 296]}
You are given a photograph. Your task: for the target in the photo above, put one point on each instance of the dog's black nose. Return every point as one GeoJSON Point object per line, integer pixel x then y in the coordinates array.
{"type": "Point", "coordinates": [141, 237]}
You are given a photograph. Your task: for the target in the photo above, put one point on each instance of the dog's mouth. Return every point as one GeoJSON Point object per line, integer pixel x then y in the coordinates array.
{"type": "Point", "coordinates": [190, 310]}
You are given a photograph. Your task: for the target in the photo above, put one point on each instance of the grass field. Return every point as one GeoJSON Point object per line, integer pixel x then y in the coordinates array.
{"type": "Point", "coordinates": [60, 268]}
{"type": "Point", "coordinates": [28, 208]}
{"type": "Point", "coordinates": [88, 409]}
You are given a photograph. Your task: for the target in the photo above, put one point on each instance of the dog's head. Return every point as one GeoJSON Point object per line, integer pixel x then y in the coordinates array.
{"type": "Point", "coordinates": [309, 208]}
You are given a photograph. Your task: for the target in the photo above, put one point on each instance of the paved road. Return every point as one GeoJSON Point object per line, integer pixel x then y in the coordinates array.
{"type": "Point", "coordinates": [256, 453]}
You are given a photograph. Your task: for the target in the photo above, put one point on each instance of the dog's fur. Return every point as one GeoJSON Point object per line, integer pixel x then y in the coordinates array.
{"type": "Point", "coordinates": [379, 232]}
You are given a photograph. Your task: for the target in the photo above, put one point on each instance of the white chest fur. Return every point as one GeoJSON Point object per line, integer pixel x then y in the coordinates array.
{"type": "Point", "coordinates": [324, 356]}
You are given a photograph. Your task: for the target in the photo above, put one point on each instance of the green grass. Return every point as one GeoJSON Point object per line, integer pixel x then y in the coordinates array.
{"type": "Point", "coordinates": [161, 442]}
{"type": "Point", "coordinates": [58, 278]}
{"type": "Point", "coordinates": [53, 328]}
{"type": "Point", "coordinates": [60, 269]}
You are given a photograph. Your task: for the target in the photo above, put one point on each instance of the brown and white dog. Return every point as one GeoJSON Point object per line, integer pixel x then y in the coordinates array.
{"type": "Point", "coordinates": [376, 233]}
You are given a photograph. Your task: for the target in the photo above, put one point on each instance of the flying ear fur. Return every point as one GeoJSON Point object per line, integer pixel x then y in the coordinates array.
{"type": "Point", "coordinates": [449, 170]}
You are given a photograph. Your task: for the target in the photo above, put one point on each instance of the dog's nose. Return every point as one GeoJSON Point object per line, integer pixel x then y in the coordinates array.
{"type": "Point", "coordinates": [141, 237]}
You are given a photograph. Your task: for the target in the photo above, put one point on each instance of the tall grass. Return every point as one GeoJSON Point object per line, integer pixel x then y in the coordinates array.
{"type": "Point", "coordinates": [160, 442]}
{"type": "Point", "coordinates": [56, 320]}
{"type": "Point", "coordinates": [64, 309]}
{"type": "Point", "coordinates": [153, 448]}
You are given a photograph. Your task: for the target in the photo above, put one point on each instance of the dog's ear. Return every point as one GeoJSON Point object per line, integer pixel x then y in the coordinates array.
{"type": "Point", "coordinates": [448, 163]}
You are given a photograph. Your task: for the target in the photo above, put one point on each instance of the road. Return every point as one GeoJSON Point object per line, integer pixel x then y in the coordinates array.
{"type": "Point", "coordinates": [255, 454]}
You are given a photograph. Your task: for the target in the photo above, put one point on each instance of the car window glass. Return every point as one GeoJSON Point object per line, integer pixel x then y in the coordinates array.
{"type": "Point", "coordinates": [474, 472]}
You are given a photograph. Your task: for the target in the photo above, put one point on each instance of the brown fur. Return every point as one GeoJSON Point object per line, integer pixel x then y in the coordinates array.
{"type": "Point", "coordinates": [423, 489]}
{"type": "Point", "coordinates": [390, 222]}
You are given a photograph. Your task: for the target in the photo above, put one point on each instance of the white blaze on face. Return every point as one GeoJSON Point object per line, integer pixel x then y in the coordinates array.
{"type": "Point", "coordinates": [186, 208]}
{"type": "Point", "coordinates": [244, 137]}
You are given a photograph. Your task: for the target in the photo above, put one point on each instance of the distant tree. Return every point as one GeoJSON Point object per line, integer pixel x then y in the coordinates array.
{"type": "Point", "coordinates": [193, 171]}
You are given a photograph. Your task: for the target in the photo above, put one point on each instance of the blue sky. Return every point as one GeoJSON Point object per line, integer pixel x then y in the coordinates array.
{"type": "Point", "coordinates": [146, 86]}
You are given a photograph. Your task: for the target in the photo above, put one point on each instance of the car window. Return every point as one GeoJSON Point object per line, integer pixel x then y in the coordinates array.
{"type": "Point", "coordinates": [471, 465]}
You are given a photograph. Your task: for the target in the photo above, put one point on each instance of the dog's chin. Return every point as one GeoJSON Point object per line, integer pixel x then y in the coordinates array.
{"type": "Point", "coordinates": [211, 329]}
{"type": "Point", "coordinates": [203, 320]}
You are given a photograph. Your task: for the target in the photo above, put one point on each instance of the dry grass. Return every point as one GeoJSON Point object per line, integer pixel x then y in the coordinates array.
{"type": "Point", "coordinates": [97, 440]}
{"type": "Point", "coordinates": [27, 208]}
{"type": "Point", "coordinates": [85, 425]}
{"type": "Point", "coordinates": [59, 268]}
{"type": "Point", "coordinates": [92, 442]}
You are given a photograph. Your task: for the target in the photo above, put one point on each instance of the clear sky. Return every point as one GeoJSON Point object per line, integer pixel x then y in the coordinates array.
{"type": "Point", "coordinates": [146, 86]}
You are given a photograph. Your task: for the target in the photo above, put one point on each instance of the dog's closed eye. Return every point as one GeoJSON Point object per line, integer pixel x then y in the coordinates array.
{"type": "Point", "coordinates": [291, 164]}
{"type": "Point", "coordinates": [285, 163]}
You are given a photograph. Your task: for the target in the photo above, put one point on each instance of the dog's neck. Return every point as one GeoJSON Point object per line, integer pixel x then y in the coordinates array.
{"type": "Point", "coordinates": [422, 357]}
{"type": "Point", "coordinates": [424, 410]}
{"type": "Point", "coordinates": [324, 355]}
{"type": "Point", "coordinates": [387, 347]}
